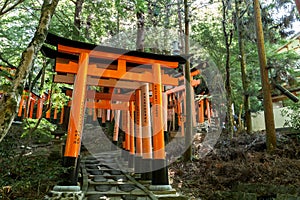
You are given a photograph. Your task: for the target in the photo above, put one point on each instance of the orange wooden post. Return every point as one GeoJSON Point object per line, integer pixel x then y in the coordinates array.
{"type": "Point", "coordinates": [165, 110]}
{"type": "Point", "coordinates": [174, 105]}
{"type": "Point", "coordinates": [160, 171]}
{"type": "Point", "coordinates": [99, 114]}
{"type": "Point", "coordinates": [158, 126]}
{"type": "Point", "coordinates": [146, 133]}
{"type": "Point", "coordinates": [21, 106]}
{"type": "Point", "coordinates": [138, 132]}
{"type": "Point", "coordinates": [201, 111]}
{"type": "Point", "coordinates": [125, 121]}
{"type": "Point", "coordinates": [208, 111]}
{"type": "Point", "coordinates": [116, 128]}
{"type": "Point", "coordinates": [73, 142]}
{"type": "Point", "coordinates": [131, 135]}
{"type": "Point", "coordinates": [48, 113]}
{"type": "Point", "coordinates": [138, 128]}
{"type": "Point", "coordinates": [62, 112]}
{"type": "Point", "coordinates": [194, 121]}
{"type": "Point", "coordinates": [31, 107]}
{"type": "Point", "coordinates": [146, 126]}
{"type": "Point", "coordinates": [39, 110]}
{"type": "Point", "coordinates": [179, 113]}
{"type": "Point", "coordinates": [108, 112]}
{"type": "Point", "coordinates": [112, 115]}
{"type": "Point", "coordinates": [182, 105]}
{"type": "Point", "coordinates": [127, 132]}
{"type": "Point", "coordinates": [193, 107]}
{"type": "Point", "coordinates": [55, 113]}
{"type": "Point", "coordinates": [25, 107]}
{"type": "Point", "coordinates": [103, 116]}
{"type": "Point", "coordinates": [123, 127]}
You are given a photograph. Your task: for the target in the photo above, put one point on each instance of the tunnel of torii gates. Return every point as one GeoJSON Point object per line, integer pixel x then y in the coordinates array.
{"type": "Point", "coordinates": [133, 81]}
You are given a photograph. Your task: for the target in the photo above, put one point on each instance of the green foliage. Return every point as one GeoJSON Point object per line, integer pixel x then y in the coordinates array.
{"type": "Point", "coordinates": [208, 32]}
{"type": "Point", "coordinates": [283, 66]}
{"type": "Point", "coordinates": [26, 173]}
{"type": "Point", "coordinates": [279, 17]}
{"type": "Point", "coordinates": [42, 134]}
{"type": "Point", "coordinates": [17, 28]}
{"type": "Point", "coordinates": [292, 114]}
{"type": "Point", "coordinates": [98, 20]}
{"type": "Point", "coordinates": [58, 98]}
{"type": "Point", "coordinates": [62, 22]}
{"type": "Point", "coordinates": [140, 6]}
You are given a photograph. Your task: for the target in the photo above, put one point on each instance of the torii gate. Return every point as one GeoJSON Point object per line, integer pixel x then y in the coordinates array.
{"type": "Point", "coordinates": [84, 64]}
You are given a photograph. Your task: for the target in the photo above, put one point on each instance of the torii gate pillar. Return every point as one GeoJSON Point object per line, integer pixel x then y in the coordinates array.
{"type": "Point", "coordinates": [160, 171]}
{"type": "Point", "coordinates": [73, 143]}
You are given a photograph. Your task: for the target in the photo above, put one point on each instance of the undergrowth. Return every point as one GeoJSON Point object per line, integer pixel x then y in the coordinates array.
{"type": "Point", "coordinates": [26, 172]}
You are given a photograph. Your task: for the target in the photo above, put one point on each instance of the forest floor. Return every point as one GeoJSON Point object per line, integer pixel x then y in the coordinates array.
{"type": "Point", "coordinates": [234, 168]}
{"type": "Point", "coordinates": [240, 168]}
{"type": "Point", "coordinates": [28, 169]}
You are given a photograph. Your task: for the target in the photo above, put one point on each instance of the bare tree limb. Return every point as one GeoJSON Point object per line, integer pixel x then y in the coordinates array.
{"type": "Point", "coordinates": [6, 62]}
{"type": "Point", "coordinates": [298, 5]}
{"type": "Point", "coordinates": [4, 11]}
{"type": "Point", "coordinates": [4, 6]}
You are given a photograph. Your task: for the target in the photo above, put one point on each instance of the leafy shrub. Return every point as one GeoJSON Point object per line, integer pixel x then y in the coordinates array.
{"type": "Point", "coordinates": [26, 173]}
{"type": "Point", "coordinates": [293, 116]}
{"type": "Point", "coordinates": [42, 133]}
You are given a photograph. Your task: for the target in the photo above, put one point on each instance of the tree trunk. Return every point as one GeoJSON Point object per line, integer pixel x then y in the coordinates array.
{"type": "Point", "coordinates": [228, 39]}
{"type": "Point", "coordinates": [189, 100]}
{"type": "Point", "coordinates": [242, 57]}
{"type": "Point", "coordinates": [181, 33]}
{"type": "Point", "coordinates": [9, 103]}
{"type": "Point", "coordinates": [298, 5]}
{"type": "Point", "coordinates": [77, 18]}
{"type": "Point", "coordinates": [140, 31]}
{"type": "Point", "coordinates": [268, 107]}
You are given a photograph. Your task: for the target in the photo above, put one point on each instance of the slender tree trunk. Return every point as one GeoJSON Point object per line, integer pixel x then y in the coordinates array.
{"type": "Point", "coordinates": [268, 107]}
{"type": "Point", "coordinates": [228, 40]}
{"type": "Point", "coordinates": [167, 26]}
{"type": "Point", "coordinates": [181, 32]}
{"type": "Point", "coordinates": [154, 21]}
{"type": "Point", "coordinates": [189, 101]}
{"type": "Point", "coordinates": [140, 31]}
{"type": "Point", "coordinates": [245, 81]}
{"type": "Point", "coordinates": [45, 63]}
{"type": "Point", "coordinates": [298, 5]}
{"type": "Point", "coordinates": [77, 18]}
{"type": "Point", "coordinates": [9, 103]}
{"type": "Point", "coordinates": [88, 26]}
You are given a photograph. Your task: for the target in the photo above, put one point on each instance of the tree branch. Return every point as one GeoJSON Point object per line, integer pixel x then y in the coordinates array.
{"type": "Point", "coordinates": [4, 6]}
{"type": "Point", "coordinates": [6, 74]}
{"type": "Point", "coordinates": [10, 8]}
{"type": "Point", "coordinates": [244, 11]}
{"type": "Point", "coordinates": [38, 76]}
{"type": "Point", "coordinates": [6, 62]}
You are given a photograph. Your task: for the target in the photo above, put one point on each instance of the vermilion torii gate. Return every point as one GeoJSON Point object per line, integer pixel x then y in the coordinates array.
{"type": "Point", "coordinates": [84, 64]}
